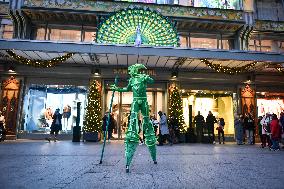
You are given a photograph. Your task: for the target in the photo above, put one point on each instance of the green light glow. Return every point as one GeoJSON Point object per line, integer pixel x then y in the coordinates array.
{"type": "Point", "coordinates": [120, 28]}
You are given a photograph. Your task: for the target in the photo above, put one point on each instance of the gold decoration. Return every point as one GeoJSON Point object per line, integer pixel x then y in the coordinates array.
{"type": "Point", "coordinates": [40, 63]}
{"type": "Point", "coordinates": [228, 70]}
{"type": "Point", "coordinates": [280, 70]}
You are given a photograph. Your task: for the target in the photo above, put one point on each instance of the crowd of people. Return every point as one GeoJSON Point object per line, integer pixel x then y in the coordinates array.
{"type": "Point", "coordinates": [270, 130]}
{"type": "Point", "coordinates": [166, 129]}
{"type": "Point", "coordinates": [207, 126]}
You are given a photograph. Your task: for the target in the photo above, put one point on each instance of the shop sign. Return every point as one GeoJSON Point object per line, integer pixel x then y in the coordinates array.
{"type": "Point", "coordinates": [124, 71]}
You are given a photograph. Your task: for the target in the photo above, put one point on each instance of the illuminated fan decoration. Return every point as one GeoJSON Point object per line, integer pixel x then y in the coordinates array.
{"type": "Point", "coordinates": [121, 28]}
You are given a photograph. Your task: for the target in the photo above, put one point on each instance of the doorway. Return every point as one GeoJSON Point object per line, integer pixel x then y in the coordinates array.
{"type": "Point", "coordinates": [122, 105]}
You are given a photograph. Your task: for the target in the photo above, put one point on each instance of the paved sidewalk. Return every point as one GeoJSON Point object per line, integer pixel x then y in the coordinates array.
{"type": "Point", "coordinates": [39, 164]}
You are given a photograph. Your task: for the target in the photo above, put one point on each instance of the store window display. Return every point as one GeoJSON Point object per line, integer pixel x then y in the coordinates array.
{"type": "Point", "coordinates": [272, 106]}
{"type": "Point", "coordinates": [41, 102]}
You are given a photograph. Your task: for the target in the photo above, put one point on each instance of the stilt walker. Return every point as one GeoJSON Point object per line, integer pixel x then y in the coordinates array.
{"type": "Point", "coordinates": [138, 84]}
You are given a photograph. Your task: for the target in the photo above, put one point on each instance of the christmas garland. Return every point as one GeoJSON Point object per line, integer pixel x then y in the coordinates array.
{"type": "Point", "coordinates": [228, 70]}
{"type": "Point", "coordinates": [39, 63]}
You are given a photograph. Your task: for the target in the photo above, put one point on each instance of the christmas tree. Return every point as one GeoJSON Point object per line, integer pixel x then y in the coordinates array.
{"type": "Point", "coordinates": [93, 117]}
{"type": "Point", "coordinates": [175, 108]}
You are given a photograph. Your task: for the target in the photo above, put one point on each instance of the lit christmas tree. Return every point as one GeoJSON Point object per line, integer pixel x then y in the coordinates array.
{"type": "Point", "coordinates": [93, 117]}
{"type": "Point", "coordinates": [175, 108]}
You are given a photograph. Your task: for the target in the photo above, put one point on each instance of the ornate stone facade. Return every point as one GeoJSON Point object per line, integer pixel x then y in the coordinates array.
{"type": "Point", "coordinates": [171, 11]}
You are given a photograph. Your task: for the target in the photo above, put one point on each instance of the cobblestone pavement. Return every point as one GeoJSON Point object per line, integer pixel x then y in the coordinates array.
{"type": "Point", "coordinates": [39, 164]}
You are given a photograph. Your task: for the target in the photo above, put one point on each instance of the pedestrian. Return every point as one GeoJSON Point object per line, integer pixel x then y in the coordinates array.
{"type": "Point", "coordinates": [164, 130]}
{"type": "Point", "coordinates": [199, 124]}
{"type": "Point", "coordinates": [107, 131]}
{"type": "Point", "coordinates": [173, 129]}
{"type": "Point", "coordinates": [56, 125]}
{"type": "Point", "coordinates": [281, 122]}
{"type": "Point", "coordinates": [249, 127]}
{"type": "Point", "coordinates": [155, 123]}
{"type": "Point", "coordinates": [239, 129]}
{"type": "Point", "coordinates": [142, 139]}
{"type": "Point", "coordinates": [275, 133]}
{"type": "Point", "coordinates": [220, 129]}
{"type": "Point", "coordinates": [259, 125]}
{"type": "Point", "coordinates": [2, 127]}
{"type": "Point", "coordinates": [266, 121]}
{"type": "Point", "coordinates": [264, 137]}
{"type": "Point", "coordinates": [210, 121]}
{"type": "Point", "coordinates": [114, 125]}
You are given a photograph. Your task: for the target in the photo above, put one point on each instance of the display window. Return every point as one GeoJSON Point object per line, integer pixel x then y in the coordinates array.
{"type": "Point", "coordinates": [40, 103]}
{"type": "Point", "coordinates": [272, 106]}
{"type": "Point", "coordinates": [221, 105]}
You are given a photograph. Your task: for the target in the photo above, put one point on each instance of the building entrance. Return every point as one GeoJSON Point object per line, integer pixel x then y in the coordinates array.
{"type": "Point", "coordinates": [121, 108]}
{"type": "Point", "coordinates": [221, 104]}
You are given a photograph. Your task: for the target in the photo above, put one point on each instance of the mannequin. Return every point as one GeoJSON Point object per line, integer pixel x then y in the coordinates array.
{"type": "Point", "coordinates": [48, 116]}
{"type": "Point", "coordinates": [66, 116]}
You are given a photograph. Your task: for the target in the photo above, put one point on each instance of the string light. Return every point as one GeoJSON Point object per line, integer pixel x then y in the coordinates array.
{"type": "Point", "coordinates": [228, 70]}
{"type": "Point", "coordinates": [39, 63]}
{"type": "Point", "coordinates": [93, 117]}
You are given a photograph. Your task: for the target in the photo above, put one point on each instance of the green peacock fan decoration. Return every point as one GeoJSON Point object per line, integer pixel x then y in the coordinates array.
{"type": "Point", "coordinates": [121, 28]}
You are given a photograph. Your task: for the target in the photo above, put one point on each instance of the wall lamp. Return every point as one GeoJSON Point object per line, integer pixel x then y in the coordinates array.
{"type": "Point", "coordinates": [96, 72]}
{"type": "Point", "coordinates": [174, 74]}
{"type": "Point", "coordinates": [11, 69]}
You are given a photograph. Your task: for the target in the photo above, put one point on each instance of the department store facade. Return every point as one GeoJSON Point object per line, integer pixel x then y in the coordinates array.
{"type": "Point", "coordinates": [202, 38]}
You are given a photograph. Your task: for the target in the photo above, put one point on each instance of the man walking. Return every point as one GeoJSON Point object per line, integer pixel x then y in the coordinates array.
{"type": "Point", "coordinates": [210, 121]}
{"type": "Point", "coordinates": [199, 124]}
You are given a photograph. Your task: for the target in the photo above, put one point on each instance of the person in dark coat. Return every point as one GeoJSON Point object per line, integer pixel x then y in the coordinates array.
{"type": "Point", "coordinates": [249, 128]}
{"type": "Point", "coordinates": [110, 126]}
{"type": "Point", "coordinates": [173, 129]}
{"type": "Point", "coordinates": [56, 125]}
{"type": "Point", "coordinates": [239, 129]}
{"type": "Point", "coordinates": [220, 129]}
{"type": "Point", "coordinates": [199, 124]}
{"type": "Point", "coordinates": [210, 121]}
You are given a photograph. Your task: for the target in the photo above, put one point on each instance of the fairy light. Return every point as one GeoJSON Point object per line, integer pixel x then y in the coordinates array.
{"type": "Point", "coordinates": [228, 70]}
{"type": "Point", "coordinates": [39, 63]}
{"type": "Point", "coordinates": [93, 117]}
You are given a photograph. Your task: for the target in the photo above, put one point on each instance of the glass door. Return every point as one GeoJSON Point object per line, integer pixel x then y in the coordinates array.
{"type": "Point", "coordinates": [121, 110]}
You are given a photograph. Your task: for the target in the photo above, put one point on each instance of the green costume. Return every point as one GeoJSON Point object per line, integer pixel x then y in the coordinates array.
{"type": "Point", "coordinates": [138, 84]}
